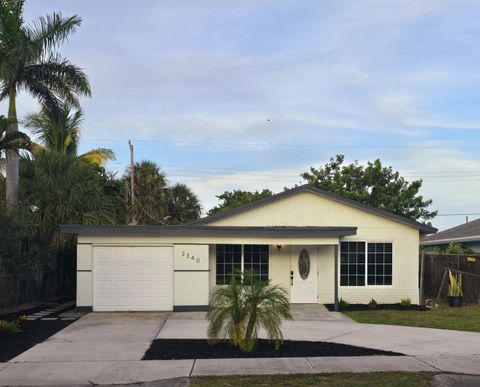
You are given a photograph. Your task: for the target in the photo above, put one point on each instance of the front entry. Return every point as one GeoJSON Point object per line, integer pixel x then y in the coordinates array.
{"type": "Point", "coordinates": [303, 275]}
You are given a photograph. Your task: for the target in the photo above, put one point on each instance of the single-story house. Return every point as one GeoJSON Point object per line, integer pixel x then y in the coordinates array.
{"type": "Point", "coordinates": [317, 245]}
{"type": "Point", "coordinates": [467, 234]}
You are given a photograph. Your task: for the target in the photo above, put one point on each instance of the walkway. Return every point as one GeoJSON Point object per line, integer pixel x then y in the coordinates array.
{"type": "Point", "coordinates": [106, 348]}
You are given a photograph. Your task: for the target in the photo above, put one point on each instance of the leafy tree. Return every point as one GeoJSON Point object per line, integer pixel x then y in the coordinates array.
{"type": "Point", "coordinates": [373, 184]}
{"type": "Point", "coordinates": [238, 310]}
{"type": "Point", "coordinates": [29, 61]}
{"type": "Point", "coordinates": [236, 198]}
{"type": "Point", "coordinates": [58, 130]}
{"type": "Point", "coordinates": [150, 204]}
{"type": "Point", "coordinates": [183, 205]}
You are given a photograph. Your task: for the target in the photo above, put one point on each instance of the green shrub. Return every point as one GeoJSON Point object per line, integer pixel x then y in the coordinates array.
{"type": "Point", "coordinates": [238, 311]}
{"type": "Point", "coordinates": [8, 327]}
{"type": "Point", "coordinates": [342, 304]}
{"type": "Point", "coordinates": [406, 302]}
{"type": "Point", "coordinates": [372, 304]}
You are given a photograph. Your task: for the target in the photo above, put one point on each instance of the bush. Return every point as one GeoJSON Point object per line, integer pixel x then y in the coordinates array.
{"type": "Point", "coordinates": [8, 327]}
{"type": "Point", "coordinates": [342, 304]}
{"type": "Point", "coordinates": [372, 304]}
{"type": "Point", "coordinates": [238, 310]}
{"type": "Point", "coordinates": [406, 302]}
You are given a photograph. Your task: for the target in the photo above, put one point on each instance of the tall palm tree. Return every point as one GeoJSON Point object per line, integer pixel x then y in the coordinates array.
{"type": "Point", "coordinates": [183, 204]}
{"type": "Point", "coordinates": [58, 130]}
{"type": "Point", "coordinates": [29, 61]}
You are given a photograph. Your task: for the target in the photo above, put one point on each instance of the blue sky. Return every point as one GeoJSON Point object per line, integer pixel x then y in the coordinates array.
{"type": "Point", "coordinates": [248, 94]}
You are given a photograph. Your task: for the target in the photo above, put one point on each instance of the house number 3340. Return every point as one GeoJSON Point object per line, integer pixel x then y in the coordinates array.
{"type": "Point", "coordinates": [192, 257]}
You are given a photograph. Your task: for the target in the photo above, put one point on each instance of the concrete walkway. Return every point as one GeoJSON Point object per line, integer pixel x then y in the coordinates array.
{"type": "Point", "coordinates": [106, 348]}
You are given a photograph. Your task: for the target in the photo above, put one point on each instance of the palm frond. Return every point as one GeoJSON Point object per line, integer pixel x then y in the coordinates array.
{"type": "Point", "coordinates": [98, 156]}
{"type": "Point", "coordinates": [48, 32]}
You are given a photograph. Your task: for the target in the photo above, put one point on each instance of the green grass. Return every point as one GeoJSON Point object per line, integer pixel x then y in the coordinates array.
{"type": "Point", "coordinates": [371, 379]}
{"type": "Point", "coordinates": [466, 318]}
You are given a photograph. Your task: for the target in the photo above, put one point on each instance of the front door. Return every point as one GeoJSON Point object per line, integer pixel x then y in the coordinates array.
{"type": "Point", "coordinates": [303, 275]}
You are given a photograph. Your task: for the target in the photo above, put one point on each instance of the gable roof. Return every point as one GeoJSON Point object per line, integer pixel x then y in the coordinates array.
{"type": "Point", "coordinates": [463, 233]}
{"type": "Point", "coordinates": [317, 191]}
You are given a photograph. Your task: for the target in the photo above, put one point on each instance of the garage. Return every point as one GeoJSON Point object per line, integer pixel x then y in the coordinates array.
{"type": "Point", "coordinates": [128, 278]}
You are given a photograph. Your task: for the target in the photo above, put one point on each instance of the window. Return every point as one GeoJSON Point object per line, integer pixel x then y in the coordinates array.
{"type": "Point", "coordinates": [231, 258]}
{"type": "Point", "coordinates": [379, 264]}
{"type": "Point", "coordinates": [256, 260]}
{"type": "Point", "coordinates": [352, 264]}
{"type": "Point", "coordinates": [229, 261]}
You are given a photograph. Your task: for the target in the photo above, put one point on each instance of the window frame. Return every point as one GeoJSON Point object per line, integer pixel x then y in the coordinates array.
{"type": "Point", "coordinates": [366, 285]}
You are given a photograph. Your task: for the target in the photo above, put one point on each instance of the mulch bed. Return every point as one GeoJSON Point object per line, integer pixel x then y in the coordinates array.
{"type": "Point", "coordinates": [360, 307]}
{"type": "Point", "coordinates": [173, 349]}
{"type": "Point", "coordinates": [13, 315]}
{"type": "Point", "coordinates": [34, 332]}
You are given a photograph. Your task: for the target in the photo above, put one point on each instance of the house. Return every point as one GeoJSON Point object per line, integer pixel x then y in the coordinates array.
{"type": "Point", "coordinates": [467, 234]}
{"type": "Point", "coordinates": [318, 245]}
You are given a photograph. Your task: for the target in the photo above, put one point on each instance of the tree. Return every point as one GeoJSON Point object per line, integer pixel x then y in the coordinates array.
{"type": "Point", "coordinates": [11, 141]}
{"type": "Point", "coordinates": [183, 205]}
{"type": "Point", "coordinates": [58, 130]}
{"type": "Point", "coordinates": [236, 198]}
{"type": "Point", "coordinates": [150, 204]}
{"type": "Point", "coordinates": [238, 310]}
{"type": "Point", "coordinates": [29, 61]}
{"type": "Point", "coordinates": [373, 184]}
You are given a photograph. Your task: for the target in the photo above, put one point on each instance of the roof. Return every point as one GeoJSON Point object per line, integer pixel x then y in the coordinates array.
{"type": "Point", "coordinates": [466, 232]}
{"type": "Point", "coordinates": [317, 191]}
{"type": "Point", "coordinates": [201, 231]}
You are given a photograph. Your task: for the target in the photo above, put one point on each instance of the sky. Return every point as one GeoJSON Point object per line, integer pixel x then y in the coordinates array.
{"type": "Point", "coordinates": [249, 94]}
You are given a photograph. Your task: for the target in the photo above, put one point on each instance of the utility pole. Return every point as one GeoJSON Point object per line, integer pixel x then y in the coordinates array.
{"type": "Point", "coordinates": [132, 178]}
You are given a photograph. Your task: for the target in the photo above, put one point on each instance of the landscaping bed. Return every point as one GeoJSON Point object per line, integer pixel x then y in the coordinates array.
{"type": "Point", "coordinates": [34, 332]}
{"type": "Point", "coordinates": [170, 349]}
{"type": "Point", "coordinates": [362, 307]}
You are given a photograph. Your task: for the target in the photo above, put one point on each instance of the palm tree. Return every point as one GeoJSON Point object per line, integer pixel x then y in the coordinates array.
{"type": "Point", "coordinates": [183, 204]}
{"type": "Point", "coordinates": [150, 204]}
{"type": "Point", "coordinates": [58, 130]}
{"type": "Point", "coordinates": [238, 310]}
{"type": "Point", "coordinates": [29, 61]}
{"type": "Point", "coordinates": [11, 141]}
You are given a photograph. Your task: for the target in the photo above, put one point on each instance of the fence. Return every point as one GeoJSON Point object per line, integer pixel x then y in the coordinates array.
{"type": "Point", "coordinates": [28, 287]}
{"type": "Point", "coordinates": [435, 266]}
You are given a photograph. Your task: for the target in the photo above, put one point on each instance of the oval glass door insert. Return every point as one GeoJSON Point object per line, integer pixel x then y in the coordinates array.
{"type": "Point", "coordinates": [304, 264]}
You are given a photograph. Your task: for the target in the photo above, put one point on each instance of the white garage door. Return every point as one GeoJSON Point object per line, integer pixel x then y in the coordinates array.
{"type": "Point", "coordinates": [132, 278]}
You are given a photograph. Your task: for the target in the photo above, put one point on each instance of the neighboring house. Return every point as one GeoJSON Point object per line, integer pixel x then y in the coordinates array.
{"type": "Point", "coordinates": [309, 241]}
{"type": "Point", "coordinates": [467, 234]}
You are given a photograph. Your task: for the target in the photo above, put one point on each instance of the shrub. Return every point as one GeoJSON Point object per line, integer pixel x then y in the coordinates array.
{"type": "Point", "coordinates": [8, 327]}
{"type": "Point", "coordinates": [238, 310]}
{"type": "Point", "coordinates": [342, 304]}
{"type": "Point", "coordinates": [372, 304]}
{"type": "Point", "coordinates": [455, 286]}
{"type": "Point", "coordinates": [406, 302]}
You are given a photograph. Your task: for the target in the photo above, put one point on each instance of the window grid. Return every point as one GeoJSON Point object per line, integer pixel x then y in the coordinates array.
{"type": "Point", "coordinates": [379, 270]}
{"type": "Point", "coordinates": [352, 264]}
{"type": "Point", "coordinates": [255, 259]}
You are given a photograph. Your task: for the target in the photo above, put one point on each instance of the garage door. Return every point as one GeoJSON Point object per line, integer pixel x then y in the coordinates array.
{"type": "Point", "coordinates": [132, 278]}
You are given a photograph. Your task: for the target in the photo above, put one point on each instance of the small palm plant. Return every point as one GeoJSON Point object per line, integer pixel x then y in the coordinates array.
{"type": "Point", "coordinates": [240, 309]}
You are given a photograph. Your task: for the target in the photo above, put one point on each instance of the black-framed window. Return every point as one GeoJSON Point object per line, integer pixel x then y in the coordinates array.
{"type": "Point", "coordinates": [379, 271]}
{"type": "Point", "coordinates": [352, 264]}
{"type": "Point", "coordinates": [229, 261]}
{"type": "Point", "coordinates": [255, 259]}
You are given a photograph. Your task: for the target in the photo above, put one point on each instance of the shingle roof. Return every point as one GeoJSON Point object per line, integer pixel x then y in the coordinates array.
{"type": "Point", "coordinates": [464, 233]}
{"type": "Point", "coordinates": [312, 189]}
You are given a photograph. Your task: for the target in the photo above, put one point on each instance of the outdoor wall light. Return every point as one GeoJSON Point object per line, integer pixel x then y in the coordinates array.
{"type": "Point", "coordinates": [279, 247]}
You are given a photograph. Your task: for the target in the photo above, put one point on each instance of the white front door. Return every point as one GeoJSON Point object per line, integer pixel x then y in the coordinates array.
{"type": "Point", "coordinates": [303, 275]}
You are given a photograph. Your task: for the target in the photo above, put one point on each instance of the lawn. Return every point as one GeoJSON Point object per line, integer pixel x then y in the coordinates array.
{"type": "Point", "coordinates": [371, 379]}
{"type": "Point", "coordinates": [466, 318]}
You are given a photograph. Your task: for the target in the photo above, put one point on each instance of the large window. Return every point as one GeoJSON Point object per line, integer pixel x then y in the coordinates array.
{"type": "Point", "coordinates": [229, 261]}
{"type": "Point", "coordinates": [379, 264]}
{"type": "Point", "coordinates": [352, 264]}
{"type": "Point", "coordinates": [232, 258]}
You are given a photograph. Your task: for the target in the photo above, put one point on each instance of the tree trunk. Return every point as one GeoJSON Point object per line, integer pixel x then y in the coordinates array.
{"type": "Point", "coordinates": [12, 160]}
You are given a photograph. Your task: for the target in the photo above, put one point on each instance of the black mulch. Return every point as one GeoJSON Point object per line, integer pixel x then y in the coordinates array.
{"type": "Point", "coordinates": [358, 307]}
{"type": "Point", "coordinates": [38, 308]}
{"type": "Point", "coordinates": [34, 332]}
{"type": "Point", "coordinates": [170, 349]}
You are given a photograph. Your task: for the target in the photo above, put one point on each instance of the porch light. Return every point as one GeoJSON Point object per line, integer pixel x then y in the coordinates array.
{"type": "Point", "coordinates": [279, 246]}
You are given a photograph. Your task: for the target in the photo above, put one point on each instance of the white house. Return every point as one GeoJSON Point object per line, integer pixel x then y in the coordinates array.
{"type": "Point", "coordinates": [317, 245]}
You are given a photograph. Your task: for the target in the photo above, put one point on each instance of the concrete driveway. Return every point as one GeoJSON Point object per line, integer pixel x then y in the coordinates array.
{"type": "Point", "coordinates": [106, 348]}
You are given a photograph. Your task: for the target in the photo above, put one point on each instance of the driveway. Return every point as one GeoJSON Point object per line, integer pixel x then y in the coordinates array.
{"type": "Point", "coordinates": [106, 348]}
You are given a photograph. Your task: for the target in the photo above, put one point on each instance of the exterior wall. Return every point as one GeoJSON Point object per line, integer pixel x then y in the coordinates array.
{"type": "Point", "coordinates": [84, 276]}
